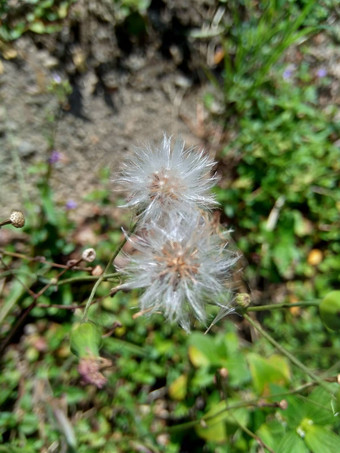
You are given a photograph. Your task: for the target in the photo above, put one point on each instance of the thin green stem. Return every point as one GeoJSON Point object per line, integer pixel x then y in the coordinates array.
{"type": "Point", "coordinates": [284, 351]}
{"type": "Point", "coordinates": [312, 303]}
{"type": "Point", "coordinates": [254, 436]}
{"type": "Point", "coordinates": [104, 274]}
{"type": "Point", "coordinates": [85, 278]}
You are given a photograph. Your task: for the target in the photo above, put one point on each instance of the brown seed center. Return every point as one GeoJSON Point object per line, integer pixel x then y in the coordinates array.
{"type": "Point", "coordinates": [164, 185]}
{"type": "Point", "coordinates": [178, 262]}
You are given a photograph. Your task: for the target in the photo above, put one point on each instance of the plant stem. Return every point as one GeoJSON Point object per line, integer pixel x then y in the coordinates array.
{"type": "Point", "coordinates": [104, 274]}
{"type": "Point", "coordinates": [85, 278]}
{"type": "Point", "coordinates": [289, 356]}
{"type": "Point", "coordinates": [254, 436]}
{"type": "Point", "coordinates": [312, 303]}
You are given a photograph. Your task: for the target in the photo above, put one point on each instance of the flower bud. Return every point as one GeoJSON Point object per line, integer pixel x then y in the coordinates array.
{"type": "Point", "coordinates": [85, 339]}
{"type": "Point", "coordinates": [330, 310]}
{"type": "Point", "coordinates": [17, 219]}
{"type": "Point", "coordinates": [89, 255]}
{"type": "Point", "coordinates": [243, 300]}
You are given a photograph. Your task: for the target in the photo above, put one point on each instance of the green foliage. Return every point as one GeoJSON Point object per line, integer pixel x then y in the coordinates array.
{"type": "Point", "coordinates": [222, 392]}
{"type": "Point", "coordinates": [31, 15]}
{"type": "Point", "coordinates": [282, 161]}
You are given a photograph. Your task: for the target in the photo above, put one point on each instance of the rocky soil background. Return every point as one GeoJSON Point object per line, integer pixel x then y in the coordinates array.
{"type": "Point", "coordinates": [128, 88]}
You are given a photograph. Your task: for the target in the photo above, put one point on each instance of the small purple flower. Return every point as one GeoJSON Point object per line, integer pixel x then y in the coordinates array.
{"type": "Point", "coordinates": [71, 204]}
{"type": "Point", "coordinates": [54, 157]}
{"type": "Point", "coordinates": [322, 72]}
{"type": "Point", "coordinates": [287, 73]}
{"type": "Point", "coordinates": [56, 78]}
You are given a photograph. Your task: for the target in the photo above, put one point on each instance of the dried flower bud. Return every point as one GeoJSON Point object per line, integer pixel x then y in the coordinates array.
{"type": "Point", "coordinates": [90, 370]}
{"type": "Point", "coordinates": [98, 270]}
{"type": "Point", "coordinates": [89, 255]}
{"type": "Point", "coordinates": [283, 404]}
{"type": "Point", "coordinates": [223, 372]}
{"type": "Point", "coordinates": [17, 219]}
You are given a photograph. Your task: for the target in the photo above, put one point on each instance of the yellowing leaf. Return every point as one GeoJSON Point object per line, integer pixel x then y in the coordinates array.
{"type": "Point", "coordinates": [274, 370]}
{"type": "Point", "coordinates": [178, 389]}
{"type": "Point", "coordinates": [197, 358]}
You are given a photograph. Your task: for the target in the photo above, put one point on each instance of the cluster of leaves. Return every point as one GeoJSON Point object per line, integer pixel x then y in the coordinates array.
{"type": "Point", "coordinates": [31, 15]}
{"type": "Point", "coordinates": [165, 389]}
{"type": "Point", "coordinates": [46, 16]}
{"type": "Point", "coordinates": [281, 163]}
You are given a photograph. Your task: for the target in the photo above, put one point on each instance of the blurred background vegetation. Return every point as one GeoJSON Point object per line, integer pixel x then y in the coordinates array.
{"type": "Point", "coordinates": [271, 117]}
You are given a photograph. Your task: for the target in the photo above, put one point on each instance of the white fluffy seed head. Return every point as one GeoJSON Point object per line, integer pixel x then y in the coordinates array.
{"type": "Point", "coordinates": [168, 178]}
{"type": "Point", "coordinates": [180, 267]}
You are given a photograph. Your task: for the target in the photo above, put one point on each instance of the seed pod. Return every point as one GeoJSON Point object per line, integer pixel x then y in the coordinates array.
{"type": "Point", "coordinates": [85, 339]}
{"type": "Point", "coordinates": [17, 219]}
{"type": "Point", "coordinates": [330, 310]}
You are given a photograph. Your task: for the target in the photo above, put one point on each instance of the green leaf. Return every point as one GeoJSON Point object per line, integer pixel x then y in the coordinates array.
{"type": "Point", "coordinates": [178, 388]}
{"type": "Point", "coordinates": [271, 432]}
{"type": "Point", "coordinates": [197, 358]}
{"type": "Point", "coordinates": [321, 440]}
{"type": "Point", "coordinates": [318, 406]}
{"type": "Point", "coordinates": [215, 422]}
{"type": "Point", "coordinates": [85, 339]}
{"type": "Point", "coordinates": [214, 432]}
{"type": "Point", "coordinates": [264, 371]}
{"type": "Point", "coordinates": [291, 442]}
{"type": "Point", "coordinates": [207, 347]}
{"type": "Point", "coordinates": [330, 310]}
{"type": "Point", "coordinates": [17, 290]}
{"type": "Point", "coordinates": [37, 27]}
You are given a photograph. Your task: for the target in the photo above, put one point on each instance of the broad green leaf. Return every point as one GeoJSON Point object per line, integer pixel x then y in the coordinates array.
{"type": "Point", "coordinates": [321, 440]}
{"type": "Point", "coordinates": [264, 371]}
{"type": "Point", "coordinates": [319, 407]}
{"type": "Point", "coordinates": [291, 442]}
{"type": "Point", "coordinates": [207, 347]}
{"type": "Point", "coordinates": [217, 419]}
{"type": "Point", "coordinates": [295, 412]}
{"type": "Point", "coordinates": [220, 412]}
{"type": "Point", "coordinates": [271, 432]}
{"type": "Point", "coordinates": [215, 432]}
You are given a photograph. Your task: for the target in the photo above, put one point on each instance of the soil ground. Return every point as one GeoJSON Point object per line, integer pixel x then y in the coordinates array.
{"type": "Point", "coordinates": [125, 93]}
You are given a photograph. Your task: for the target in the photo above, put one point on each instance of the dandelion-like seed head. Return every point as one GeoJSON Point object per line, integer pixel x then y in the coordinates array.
{"type": "Point", "coordinates": [168, 178]}
{"type": "Point", "coordinates": [181, 267]}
